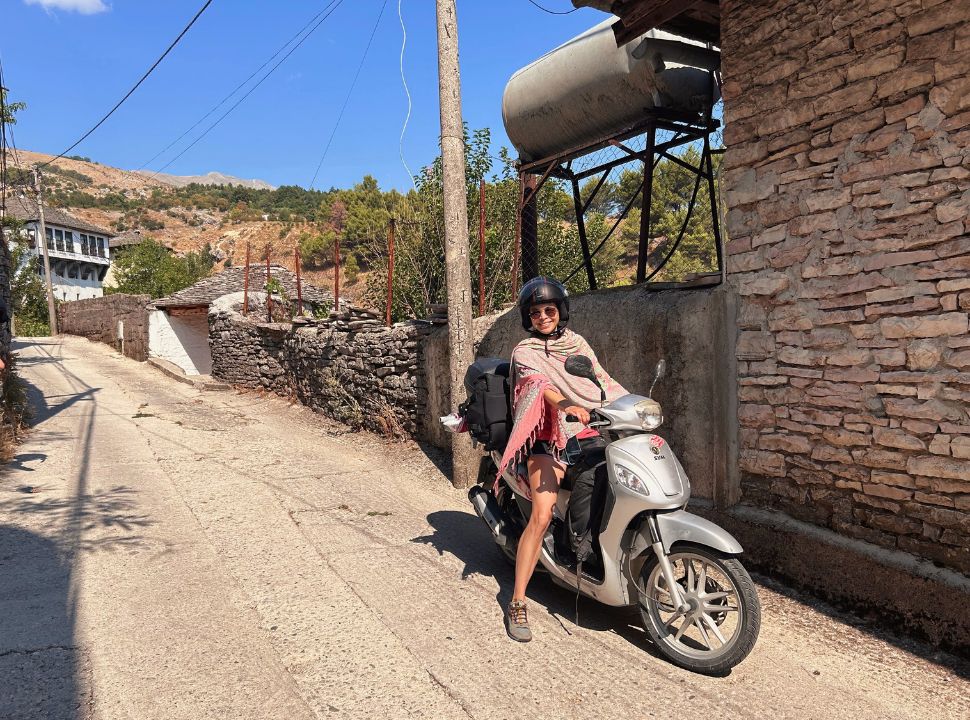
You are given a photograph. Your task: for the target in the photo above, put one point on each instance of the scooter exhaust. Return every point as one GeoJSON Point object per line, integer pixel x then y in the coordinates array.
{"type": "Point", "coordinates": [488, 510]}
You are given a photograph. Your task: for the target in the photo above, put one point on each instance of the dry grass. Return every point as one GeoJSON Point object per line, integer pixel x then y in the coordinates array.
{"type": "Point", "coordinates": [14, 410]}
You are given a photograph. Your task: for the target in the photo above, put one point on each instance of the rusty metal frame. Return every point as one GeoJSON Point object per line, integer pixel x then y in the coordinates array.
{"type": "Point", "coordinates": [688, 128]}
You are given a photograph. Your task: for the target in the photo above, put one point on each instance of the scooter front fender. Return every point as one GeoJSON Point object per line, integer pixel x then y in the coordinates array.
{"type": "Point", "coordinates": [682, 526]}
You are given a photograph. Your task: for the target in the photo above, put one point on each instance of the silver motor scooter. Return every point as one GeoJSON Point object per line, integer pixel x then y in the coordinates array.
{"type": "Point", "coordinates": [697, 602]}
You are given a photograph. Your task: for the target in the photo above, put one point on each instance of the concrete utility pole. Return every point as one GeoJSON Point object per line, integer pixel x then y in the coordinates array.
{"type": "Point", "coordinates": [458, 273]}
{"type": "Point", "coordinates": [42, 240]}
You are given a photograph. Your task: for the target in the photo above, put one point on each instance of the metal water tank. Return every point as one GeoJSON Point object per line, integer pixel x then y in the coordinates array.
{"type": "Point", "coordinates": [588, 89]}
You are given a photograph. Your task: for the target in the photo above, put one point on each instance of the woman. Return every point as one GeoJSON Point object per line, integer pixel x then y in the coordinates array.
{"type": "Point", "coordinates": [545, 394]}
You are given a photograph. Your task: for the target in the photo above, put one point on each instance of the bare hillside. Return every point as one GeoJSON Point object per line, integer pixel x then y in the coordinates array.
{"type": "Point", "coordinates": [119, 200]}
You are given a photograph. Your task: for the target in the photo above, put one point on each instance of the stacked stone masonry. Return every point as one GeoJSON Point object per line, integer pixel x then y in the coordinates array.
{"type": "Point", "coordinates": [349, 367]}
{"type": "Point", "coordinates": [847, 180]}
{"type": "Point", "coordinates": [97, 319]}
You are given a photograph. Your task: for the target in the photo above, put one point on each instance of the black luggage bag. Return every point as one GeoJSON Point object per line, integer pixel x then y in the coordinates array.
{"type": "Point", "coordinates": [488, 409]}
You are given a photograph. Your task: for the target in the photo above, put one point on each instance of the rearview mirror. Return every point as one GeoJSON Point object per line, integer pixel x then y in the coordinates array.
{"type": "Point", "coordinates": [580, 366]}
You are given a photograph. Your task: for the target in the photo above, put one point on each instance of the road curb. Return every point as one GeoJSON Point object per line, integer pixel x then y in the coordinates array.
{"type": "Point", "coordinates": [199, 382]}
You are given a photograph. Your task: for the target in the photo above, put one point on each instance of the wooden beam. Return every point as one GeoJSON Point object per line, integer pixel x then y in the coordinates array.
{"type": "Point", "coordinates": [694, 19]}
{"type": "Point", "coordinates": [653, 13]}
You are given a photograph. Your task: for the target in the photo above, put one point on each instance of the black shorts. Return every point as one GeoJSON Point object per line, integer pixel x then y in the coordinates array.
{"type": "Point", "coordinates": [569, 455]}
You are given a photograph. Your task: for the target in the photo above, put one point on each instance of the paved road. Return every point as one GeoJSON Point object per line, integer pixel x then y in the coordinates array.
{"type": "Point", "coordinates": [166, 553]}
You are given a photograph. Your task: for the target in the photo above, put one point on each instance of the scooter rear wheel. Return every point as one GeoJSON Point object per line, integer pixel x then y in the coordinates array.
{"type": "Point", "coordinates": [722, 624]}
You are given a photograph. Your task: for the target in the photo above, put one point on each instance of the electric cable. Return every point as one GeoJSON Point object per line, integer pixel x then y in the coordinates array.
{"type": "Point", "coordinates": [134, 87]}
{"type": "Point", "coordinates": [553, 12]}
{"type": "Point", "coordinates": [333, 6]}
{"type": "Point", "coordinates": [236, 89]}
{"type": "Point", "coordinates": [404, 41]}
{"type": "Point", "coordinates": [353, 84]}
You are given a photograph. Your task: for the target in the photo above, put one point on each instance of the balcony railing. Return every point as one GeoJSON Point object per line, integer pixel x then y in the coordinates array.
{"type": "Point", "coordinates": [100, 254]}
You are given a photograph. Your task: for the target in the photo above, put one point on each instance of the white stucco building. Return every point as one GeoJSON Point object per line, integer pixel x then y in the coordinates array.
{"type": "Point", "coordinates": [78, 251]}
{"type": "Point", "coordinates": [178, 325]}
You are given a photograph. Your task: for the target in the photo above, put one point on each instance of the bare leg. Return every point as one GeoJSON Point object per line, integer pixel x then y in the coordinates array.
{"type": "Point", "coordinates": [544, 476]}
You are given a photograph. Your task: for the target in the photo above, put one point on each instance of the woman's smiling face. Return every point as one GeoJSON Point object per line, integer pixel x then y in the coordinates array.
{"type": "Point", "coordinates": [545, 317]}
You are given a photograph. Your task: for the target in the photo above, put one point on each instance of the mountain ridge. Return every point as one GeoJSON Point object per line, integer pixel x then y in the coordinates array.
{"type": "Point", "coordinates": [210, 178]}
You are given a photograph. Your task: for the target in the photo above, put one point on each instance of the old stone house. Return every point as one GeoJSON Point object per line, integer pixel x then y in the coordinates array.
{"type": "Point", "coordinates": [178, 325]}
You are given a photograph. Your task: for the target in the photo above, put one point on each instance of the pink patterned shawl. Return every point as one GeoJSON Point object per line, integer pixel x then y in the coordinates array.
{"type": "Point", "coordinates": [540, 363]}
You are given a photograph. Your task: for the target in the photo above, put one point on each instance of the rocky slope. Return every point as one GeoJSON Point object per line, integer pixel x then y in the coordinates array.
{"type": "Point", "coordinates": [184, 229]}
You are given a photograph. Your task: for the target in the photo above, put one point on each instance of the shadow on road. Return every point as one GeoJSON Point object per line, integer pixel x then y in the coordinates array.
{"type": "Point", "coordinates": [20, 461]}
{"type": "Point", "coordinates": [38, 661]}
{"type": "Point", "coordinates": [105, 520]}
{"type": "Point", "coordinates": [44, 407]}
{"type": "Point", "coordinates": [41, 672]}
{"type": "Point", "coordinates": [464, 536]}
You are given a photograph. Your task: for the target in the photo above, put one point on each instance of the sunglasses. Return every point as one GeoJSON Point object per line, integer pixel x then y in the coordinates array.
{"type": "Point", "coordinates": [549, 312]}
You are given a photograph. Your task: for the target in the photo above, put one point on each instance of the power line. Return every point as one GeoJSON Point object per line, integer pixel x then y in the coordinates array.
{"type": "Point", "coordinates": [134, 87]}
{"type": "Point", "coordinates": [333, 6]}
{"type": "Point", "coordinates": [400, 144]}
{"type": "Point", "coordinates": [349, 93]}
{"type": "Point", "coordinates": [236, 89]}
{"type": "Point", "coordinates": [553, 12]}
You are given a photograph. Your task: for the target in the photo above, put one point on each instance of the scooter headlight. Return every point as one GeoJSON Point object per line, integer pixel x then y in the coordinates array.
{"type": "Point", "coordinates": [629, 479]}
{"type": "Point", "coordinates": [650, 414]}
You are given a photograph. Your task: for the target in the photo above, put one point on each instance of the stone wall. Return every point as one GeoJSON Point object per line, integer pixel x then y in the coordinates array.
{"type": "Point", "coordinates": [5, 276]}
{"type": "Point", "coordinates": [349, 367]}
{"type": "Point", "coordinates": [847, 179]}
{"type": "Point", "coordinates": [97, 319]}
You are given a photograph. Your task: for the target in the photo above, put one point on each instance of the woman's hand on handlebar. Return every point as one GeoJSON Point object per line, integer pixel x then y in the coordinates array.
{"type": "Point", "coordinates": [575, 413]}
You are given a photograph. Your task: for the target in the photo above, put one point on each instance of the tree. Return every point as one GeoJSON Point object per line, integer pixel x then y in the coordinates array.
{"type": "Point", "coordinates": [316, 249]}
{"type": "Point", "coordinates": [9, 109]}
{"type": "Point", "coordinates": [149, 268]}
{"type": "Point", "coordinates": [28, 297]}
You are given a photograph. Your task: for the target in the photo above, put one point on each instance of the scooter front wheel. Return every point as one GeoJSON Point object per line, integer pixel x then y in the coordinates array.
{"type": "Point", "coordinates": [722, 619]}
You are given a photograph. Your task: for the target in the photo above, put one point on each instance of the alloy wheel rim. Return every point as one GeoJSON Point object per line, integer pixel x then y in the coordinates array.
{"type": "Point", "coordinates": [713, 621]}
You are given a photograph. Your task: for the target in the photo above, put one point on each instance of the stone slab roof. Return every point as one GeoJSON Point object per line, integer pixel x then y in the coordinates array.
{"type": "Point", "coordinates": [25, 209]}
{"type": "Point", "coordinates": [204, 292]}
{"type": "Point", "coordinates": [135, 237]}
{"type": "Point", "coordinates": [126, 238]}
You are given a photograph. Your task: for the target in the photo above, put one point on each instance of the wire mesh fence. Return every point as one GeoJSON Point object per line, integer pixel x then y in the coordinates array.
{"type": "Point", "coordinates": [580, 220]}
{"type": "Point", "coordinates": [590, 229]}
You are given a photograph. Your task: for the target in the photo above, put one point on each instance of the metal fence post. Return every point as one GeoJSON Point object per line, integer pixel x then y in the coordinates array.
{"type": "Point", "coordinates": [481, 248]}
{"type": "Point", "coordinates": [246, 283]}
{"type": "Point", "coordinates": [390, 271]}
{"type": "Point", "coordinates": [299, 285]}
{"type": "Point", "coordinates": [336, 273]}
{"type": "Point", "coordinates": [269, 295]}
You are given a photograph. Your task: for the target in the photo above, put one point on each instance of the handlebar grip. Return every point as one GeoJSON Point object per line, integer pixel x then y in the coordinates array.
{"type": "Point", "coordinates": [572, 418]}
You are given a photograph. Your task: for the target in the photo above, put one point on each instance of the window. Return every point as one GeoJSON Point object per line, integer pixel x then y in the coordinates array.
{"type": "Point", "coordinates": [84, 244]}
{"type": "Point", "coordinates": [100, 247]}
{"type": "Point", "coordinates": [50, 238]}
{"type": "Point", "coordinates": [59, 239]}
{"type": "Point", "coordinates": [69, 240]}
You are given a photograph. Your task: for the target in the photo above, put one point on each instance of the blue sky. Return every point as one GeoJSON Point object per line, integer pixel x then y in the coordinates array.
{"type": "Point", "coordinates": [71, 60]}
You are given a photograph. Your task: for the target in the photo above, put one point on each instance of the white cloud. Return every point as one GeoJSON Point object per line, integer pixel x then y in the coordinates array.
{"type": "Point", "coordinates": [85, 7]}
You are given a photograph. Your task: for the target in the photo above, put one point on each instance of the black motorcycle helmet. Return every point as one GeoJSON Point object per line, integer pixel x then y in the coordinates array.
{"type": "Point", "coordinates": [544, 290]}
